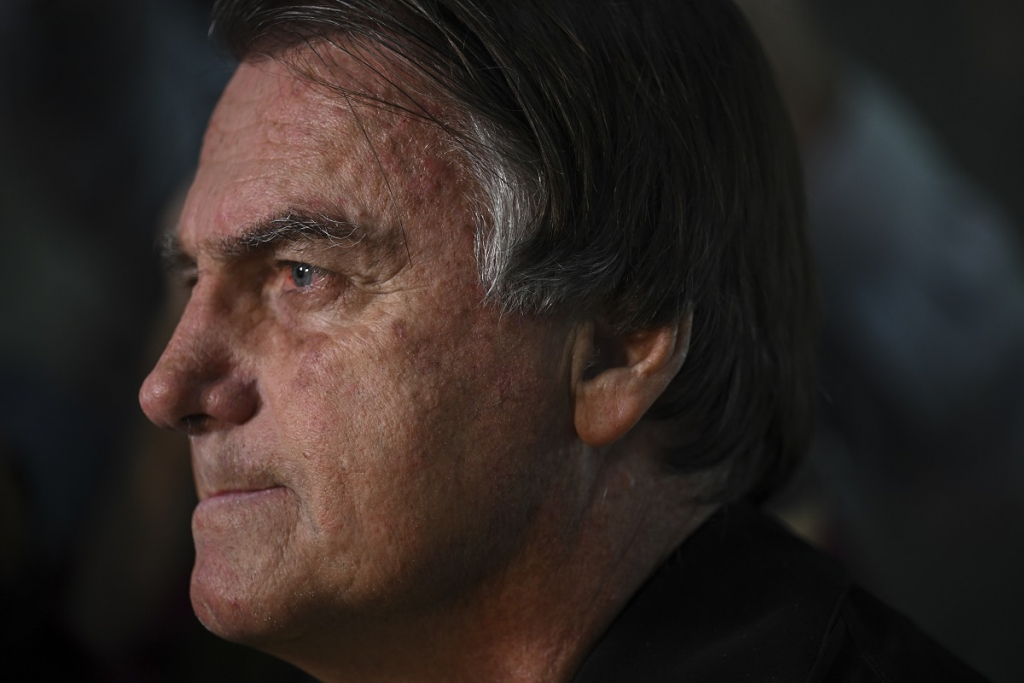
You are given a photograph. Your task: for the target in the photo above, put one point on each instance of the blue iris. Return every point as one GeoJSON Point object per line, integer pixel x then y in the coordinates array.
{"type": "Point", "coordinates": [302, 274]}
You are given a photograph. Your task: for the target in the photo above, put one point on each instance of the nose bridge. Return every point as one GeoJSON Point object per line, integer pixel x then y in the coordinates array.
{"type": "Point", "coordinates": [200, 345]}
{"type": "Point", "coordinates": [200, 376]}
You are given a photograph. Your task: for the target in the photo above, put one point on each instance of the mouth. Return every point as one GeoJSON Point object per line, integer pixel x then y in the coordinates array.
{"type": "Point", "coordinates": [238, 497]}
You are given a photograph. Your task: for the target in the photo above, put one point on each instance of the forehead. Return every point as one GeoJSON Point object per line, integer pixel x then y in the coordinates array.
{"type": "Point", "coordinates": [280, 140]}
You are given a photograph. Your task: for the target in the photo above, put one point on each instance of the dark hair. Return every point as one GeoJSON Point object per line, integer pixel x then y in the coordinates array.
{"type": "Point", "coordinates": [636, 162]}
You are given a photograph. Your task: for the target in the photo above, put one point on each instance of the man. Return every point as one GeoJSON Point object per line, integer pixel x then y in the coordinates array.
{"type": "Point", "coordinates": [493, 306]}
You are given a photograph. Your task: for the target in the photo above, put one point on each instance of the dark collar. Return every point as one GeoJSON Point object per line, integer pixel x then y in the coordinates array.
{"type": "Point", "coordinates": [740, 599]}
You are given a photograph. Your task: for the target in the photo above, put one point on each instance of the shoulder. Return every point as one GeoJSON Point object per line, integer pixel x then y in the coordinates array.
{"type": "Point", "coordinates": [870, 642]}
{"type": "Point", "coordinates": [743, 599]}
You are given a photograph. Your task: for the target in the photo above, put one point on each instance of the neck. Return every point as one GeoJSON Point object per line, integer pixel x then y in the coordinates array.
{"type": "Point", "coordinates": [543, 614]}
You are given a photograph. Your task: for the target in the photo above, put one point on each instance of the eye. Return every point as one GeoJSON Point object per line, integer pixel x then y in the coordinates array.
{"type": "Point", "coordinates": [298, 280]}
{"type": "Point", "coordinates": [302, 274]}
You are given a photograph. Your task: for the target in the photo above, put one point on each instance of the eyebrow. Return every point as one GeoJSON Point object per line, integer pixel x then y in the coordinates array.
{"type": "Point", "coordinates": [286, 229]}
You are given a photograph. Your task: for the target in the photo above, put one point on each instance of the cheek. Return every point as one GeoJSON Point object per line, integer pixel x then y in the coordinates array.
{"type": "Point", "coordinates": [378, 479]}
{"type": "Point", "coordinates": [314, 394]}
{"type": "Point", "coordinates": [358, 413]}
{"type": "Point", "coordinates": [395, 432]}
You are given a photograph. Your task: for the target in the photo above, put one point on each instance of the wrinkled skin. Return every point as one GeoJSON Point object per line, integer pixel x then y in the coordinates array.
{"type": "Point", "coordinates": [397, 482]}
{"type": "Point", "coordinates": [368, 440]}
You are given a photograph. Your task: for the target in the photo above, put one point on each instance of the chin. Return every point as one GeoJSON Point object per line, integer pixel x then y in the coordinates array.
{"type": "Point", "coordinates": [239, 603]}
{"type": "Point", "coordinates": [241, 572]}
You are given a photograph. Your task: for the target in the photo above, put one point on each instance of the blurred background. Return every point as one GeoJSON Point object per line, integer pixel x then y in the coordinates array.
{"type": "Point", "coordinates": [909, 117]}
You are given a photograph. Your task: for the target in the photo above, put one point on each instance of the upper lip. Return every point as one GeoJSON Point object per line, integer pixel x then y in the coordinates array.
{"type": "Point", "coordinates": [229, 470]}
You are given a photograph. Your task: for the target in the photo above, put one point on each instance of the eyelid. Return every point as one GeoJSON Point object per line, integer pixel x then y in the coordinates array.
{"type": "Point", "coordinates": [179, 266]}
{"type": "Point", "coordinates": [186, 275]}
{"type": "Point", "coordinates": [288, 263]}
{"type": "Point", "coordinates": [295, 248]}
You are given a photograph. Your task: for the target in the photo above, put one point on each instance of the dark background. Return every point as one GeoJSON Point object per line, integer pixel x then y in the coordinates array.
{"type": "Point", "coordinates": [102, 107]}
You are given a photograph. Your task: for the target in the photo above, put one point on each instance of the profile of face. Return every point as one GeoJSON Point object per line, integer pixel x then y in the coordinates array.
{"type": "Point", "coordinates": [368, 436]}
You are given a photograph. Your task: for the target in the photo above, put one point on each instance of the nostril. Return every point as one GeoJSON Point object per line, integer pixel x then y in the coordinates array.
{"type": "Point", "coordinates": [194, 425]}
{"type": "Point", "coordinates": [197, 385]}
{"type": "Point", "coordinates": [196, 406]}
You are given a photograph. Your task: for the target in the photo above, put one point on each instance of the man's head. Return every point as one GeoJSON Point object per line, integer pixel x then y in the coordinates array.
{"type": "Point", "coordinates": [631, 161]}
{"type": "Point", "coordinates": [447, 260]}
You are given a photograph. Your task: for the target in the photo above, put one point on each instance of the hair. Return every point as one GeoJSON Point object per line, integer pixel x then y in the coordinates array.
{"type": "Point", "coordinates": [636, 163]}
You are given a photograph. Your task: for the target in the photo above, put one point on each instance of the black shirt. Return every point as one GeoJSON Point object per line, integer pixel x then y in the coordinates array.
{"type": "Point", "coordinates": [742, 599]}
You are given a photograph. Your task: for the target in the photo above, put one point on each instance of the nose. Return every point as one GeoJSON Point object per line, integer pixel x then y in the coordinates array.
{"type": "Point", "coordinates": [199, 385]}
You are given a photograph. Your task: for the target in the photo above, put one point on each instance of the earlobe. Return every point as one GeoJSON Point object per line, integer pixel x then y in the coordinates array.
{"type": "Point", "coordinates": [617, 379]}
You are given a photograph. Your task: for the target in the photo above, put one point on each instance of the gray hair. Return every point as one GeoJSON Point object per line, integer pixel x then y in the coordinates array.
{"type": "Point", "coordinates": [635, 165]}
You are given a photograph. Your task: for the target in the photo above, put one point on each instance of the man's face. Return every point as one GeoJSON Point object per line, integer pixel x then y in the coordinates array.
{"type": "Point", "coordinates": [367, 436]}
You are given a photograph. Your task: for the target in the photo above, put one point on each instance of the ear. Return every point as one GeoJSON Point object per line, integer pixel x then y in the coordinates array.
{"type": "Point", "coordinates": [617, 379]}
